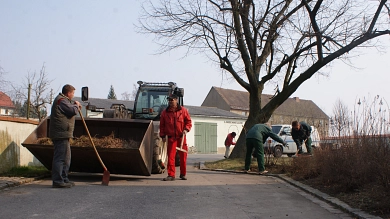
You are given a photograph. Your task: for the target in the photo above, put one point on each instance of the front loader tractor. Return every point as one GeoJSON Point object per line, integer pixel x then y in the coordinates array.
{"type": "Point", "coordinates": [143, 152]}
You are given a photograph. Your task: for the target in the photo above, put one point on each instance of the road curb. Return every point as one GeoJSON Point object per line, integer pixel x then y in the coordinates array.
{"type": "Point", "coordinates": [8, 182]}
{"type": "Point", "coordinates": [325, 197]}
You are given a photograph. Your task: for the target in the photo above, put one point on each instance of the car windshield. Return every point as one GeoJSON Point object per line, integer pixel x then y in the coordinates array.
{"type": "Point", "coordinates": [276, 129]}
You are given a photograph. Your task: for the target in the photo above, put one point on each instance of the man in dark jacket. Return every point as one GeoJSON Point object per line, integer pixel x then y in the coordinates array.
{"type": "Point", "coordinates": [61, 128]}
{"type": "Point", "coordinates": [255, 138]}
{"type": "Point", "coordinates": [301, 133]}
{"type": "Point", "coordinates": [175, 122]}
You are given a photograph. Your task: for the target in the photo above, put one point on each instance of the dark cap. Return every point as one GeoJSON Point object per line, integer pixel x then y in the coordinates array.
{"type": "Point", "coordinates": [172, 96]}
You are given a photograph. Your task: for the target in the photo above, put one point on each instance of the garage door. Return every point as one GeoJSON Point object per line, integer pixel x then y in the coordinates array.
{"type": "Point", "coordinates": [206, 137]}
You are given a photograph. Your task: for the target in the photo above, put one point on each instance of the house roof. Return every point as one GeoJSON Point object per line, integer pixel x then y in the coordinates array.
{"type": "Point", "coordinates": [212, 112]}
{"type": "Point", "coordinates": [193, 110]}
{"type": "Point", "coordinates": [106, 103]}
{"type": "Point", "coordinates": [239, 100]}
{"type": "Point", "coordinates": [5, 101]}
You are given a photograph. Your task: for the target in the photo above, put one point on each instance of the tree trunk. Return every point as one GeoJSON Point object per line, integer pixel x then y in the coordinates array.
{"type": "Point", "coordinates": [256, 115]}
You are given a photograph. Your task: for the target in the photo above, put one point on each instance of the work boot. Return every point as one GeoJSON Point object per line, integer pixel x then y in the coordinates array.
{"type": "Point", "coordinates": [183, 177]}
{"type": "Point", "coordinates": [71, 183]}
{"type": "Point", "coordinates": [263, 172]}
{"type": "Point", "coordinates": [62, 185]}
{"type": "Point", "coordinates": [169, 178]}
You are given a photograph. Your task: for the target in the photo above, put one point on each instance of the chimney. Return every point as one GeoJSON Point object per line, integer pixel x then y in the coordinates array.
{"type": "Point", "coordinates": [296, 99]}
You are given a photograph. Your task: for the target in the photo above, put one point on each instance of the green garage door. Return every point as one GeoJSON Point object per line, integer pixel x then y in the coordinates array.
{"type": "Point", "coordinates": [206, 137]}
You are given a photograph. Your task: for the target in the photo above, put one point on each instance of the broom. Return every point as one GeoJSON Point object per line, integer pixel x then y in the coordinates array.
{"type": "Point", "coordinates": [106, 173]}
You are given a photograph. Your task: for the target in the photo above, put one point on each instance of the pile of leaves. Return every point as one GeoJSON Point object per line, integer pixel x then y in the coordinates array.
{"type": "Point", "coordinates": [104, 142]}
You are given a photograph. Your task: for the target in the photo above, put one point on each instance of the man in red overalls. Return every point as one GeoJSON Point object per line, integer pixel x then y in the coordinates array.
{"type": "Point", "coordinates": [175, 122]}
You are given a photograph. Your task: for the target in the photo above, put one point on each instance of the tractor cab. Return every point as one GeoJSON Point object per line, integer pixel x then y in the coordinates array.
{"type": "Point", "coordinates": [151, 99]}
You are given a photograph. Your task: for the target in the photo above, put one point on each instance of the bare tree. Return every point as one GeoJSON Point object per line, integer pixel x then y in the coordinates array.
{"type": "Point", "coordinates": [340, 121]}
{"type": "Point", "coordinates": [126, 95]}
{"type": "Point", "coordinates": [266, 43]}
{"type": "Point", "coordinates": [40, 95]}
{"type": "Point", "coordinates": [134, 92]}
{"type": "Point", "coordinates": [3, 81]}
{"type": "Point", "coordinates": [130, 96]}
{"type": "Point", "coordinates": [371, 117]}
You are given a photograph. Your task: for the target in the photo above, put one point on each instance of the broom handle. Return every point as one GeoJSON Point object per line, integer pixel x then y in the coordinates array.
{"type": "Point", "coordinates": [90, 138]}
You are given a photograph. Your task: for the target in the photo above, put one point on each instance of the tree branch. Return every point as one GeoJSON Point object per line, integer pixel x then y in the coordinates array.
{"type": "Point", "coordinates": [312, 15]}
{"type": "Point", "coordinates": [375, 18]}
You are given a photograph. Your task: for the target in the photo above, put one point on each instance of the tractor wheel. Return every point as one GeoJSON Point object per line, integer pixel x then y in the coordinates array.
{"type": "Point", "coordinates": [160, 158]}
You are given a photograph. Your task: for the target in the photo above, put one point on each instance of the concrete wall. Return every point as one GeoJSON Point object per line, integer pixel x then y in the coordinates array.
{"type": "Point", "coordinates": [13, 132]}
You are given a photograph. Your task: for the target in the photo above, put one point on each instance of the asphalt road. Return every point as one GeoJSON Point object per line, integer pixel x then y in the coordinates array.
{"type": "Point", "coordinates": [206, 194]}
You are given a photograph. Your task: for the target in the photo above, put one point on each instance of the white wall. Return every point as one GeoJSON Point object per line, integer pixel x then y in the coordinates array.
{"type": "Point", "coordinates": [6, 112]}
{"type": "Point", "coordinates": [11, 149]}
{"type": "Point", "coordinates": [224, 127]}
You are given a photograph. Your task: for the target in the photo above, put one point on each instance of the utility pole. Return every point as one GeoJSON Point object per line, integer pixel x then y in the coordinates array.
{"type": "Point", "coordinates": [51, 96]}
{"type": "Point", "coordinates": [28, 101]}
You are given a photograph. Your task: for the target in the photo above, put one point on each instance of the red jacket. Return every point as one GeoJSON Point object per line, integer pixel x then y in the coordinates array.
{"type": "Point", "coordinates": [174, 123]}
{"type": "Point", "coordinates": [229, 140]}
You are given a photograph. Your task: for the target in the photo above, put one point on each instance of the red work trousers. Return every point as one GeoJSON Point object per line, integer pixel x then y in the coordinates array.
{"type": "Point", "coordinates": [172, 144]}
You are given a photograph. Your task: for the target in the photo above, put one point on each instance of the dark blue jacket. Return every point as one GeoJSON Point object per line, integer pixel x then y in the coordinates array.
{"type": "Point", "coordinates": [302, 134]}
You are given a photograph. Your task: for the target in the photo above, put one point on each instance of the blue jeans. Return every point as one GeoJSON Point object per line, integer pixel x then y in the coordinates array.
{"type": "Point", "coordinates": [61, 161]}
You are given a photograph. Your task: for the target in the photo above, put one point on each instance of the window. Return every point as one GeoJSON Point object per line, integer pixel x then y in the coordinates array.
{"type": "Point", "coordinates": [287, 130]}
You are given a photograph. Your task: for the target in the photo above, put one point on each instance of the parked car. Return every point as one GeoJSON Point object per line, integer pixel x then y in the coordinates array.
{"type": "Point", "coordinates": [284, 131]}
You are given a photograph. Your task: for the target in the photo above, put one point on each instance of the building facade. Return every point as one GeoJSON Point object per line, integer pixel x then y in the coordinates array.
{"type": "Point", "coordinates": [7, 108]}
{"type": "Point", "coordinates": [292, 109]}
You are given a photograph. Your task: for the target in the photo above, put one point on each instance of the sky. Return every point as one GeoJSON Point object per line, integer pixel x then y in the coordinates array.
{"type": "Point", "coordinates": [95, 44]}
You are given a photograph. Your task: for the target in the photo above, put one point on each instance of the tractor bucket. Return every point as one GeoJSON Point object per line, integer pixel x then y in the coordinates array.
{"type": "Point", "coordinates": [134, 159]}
